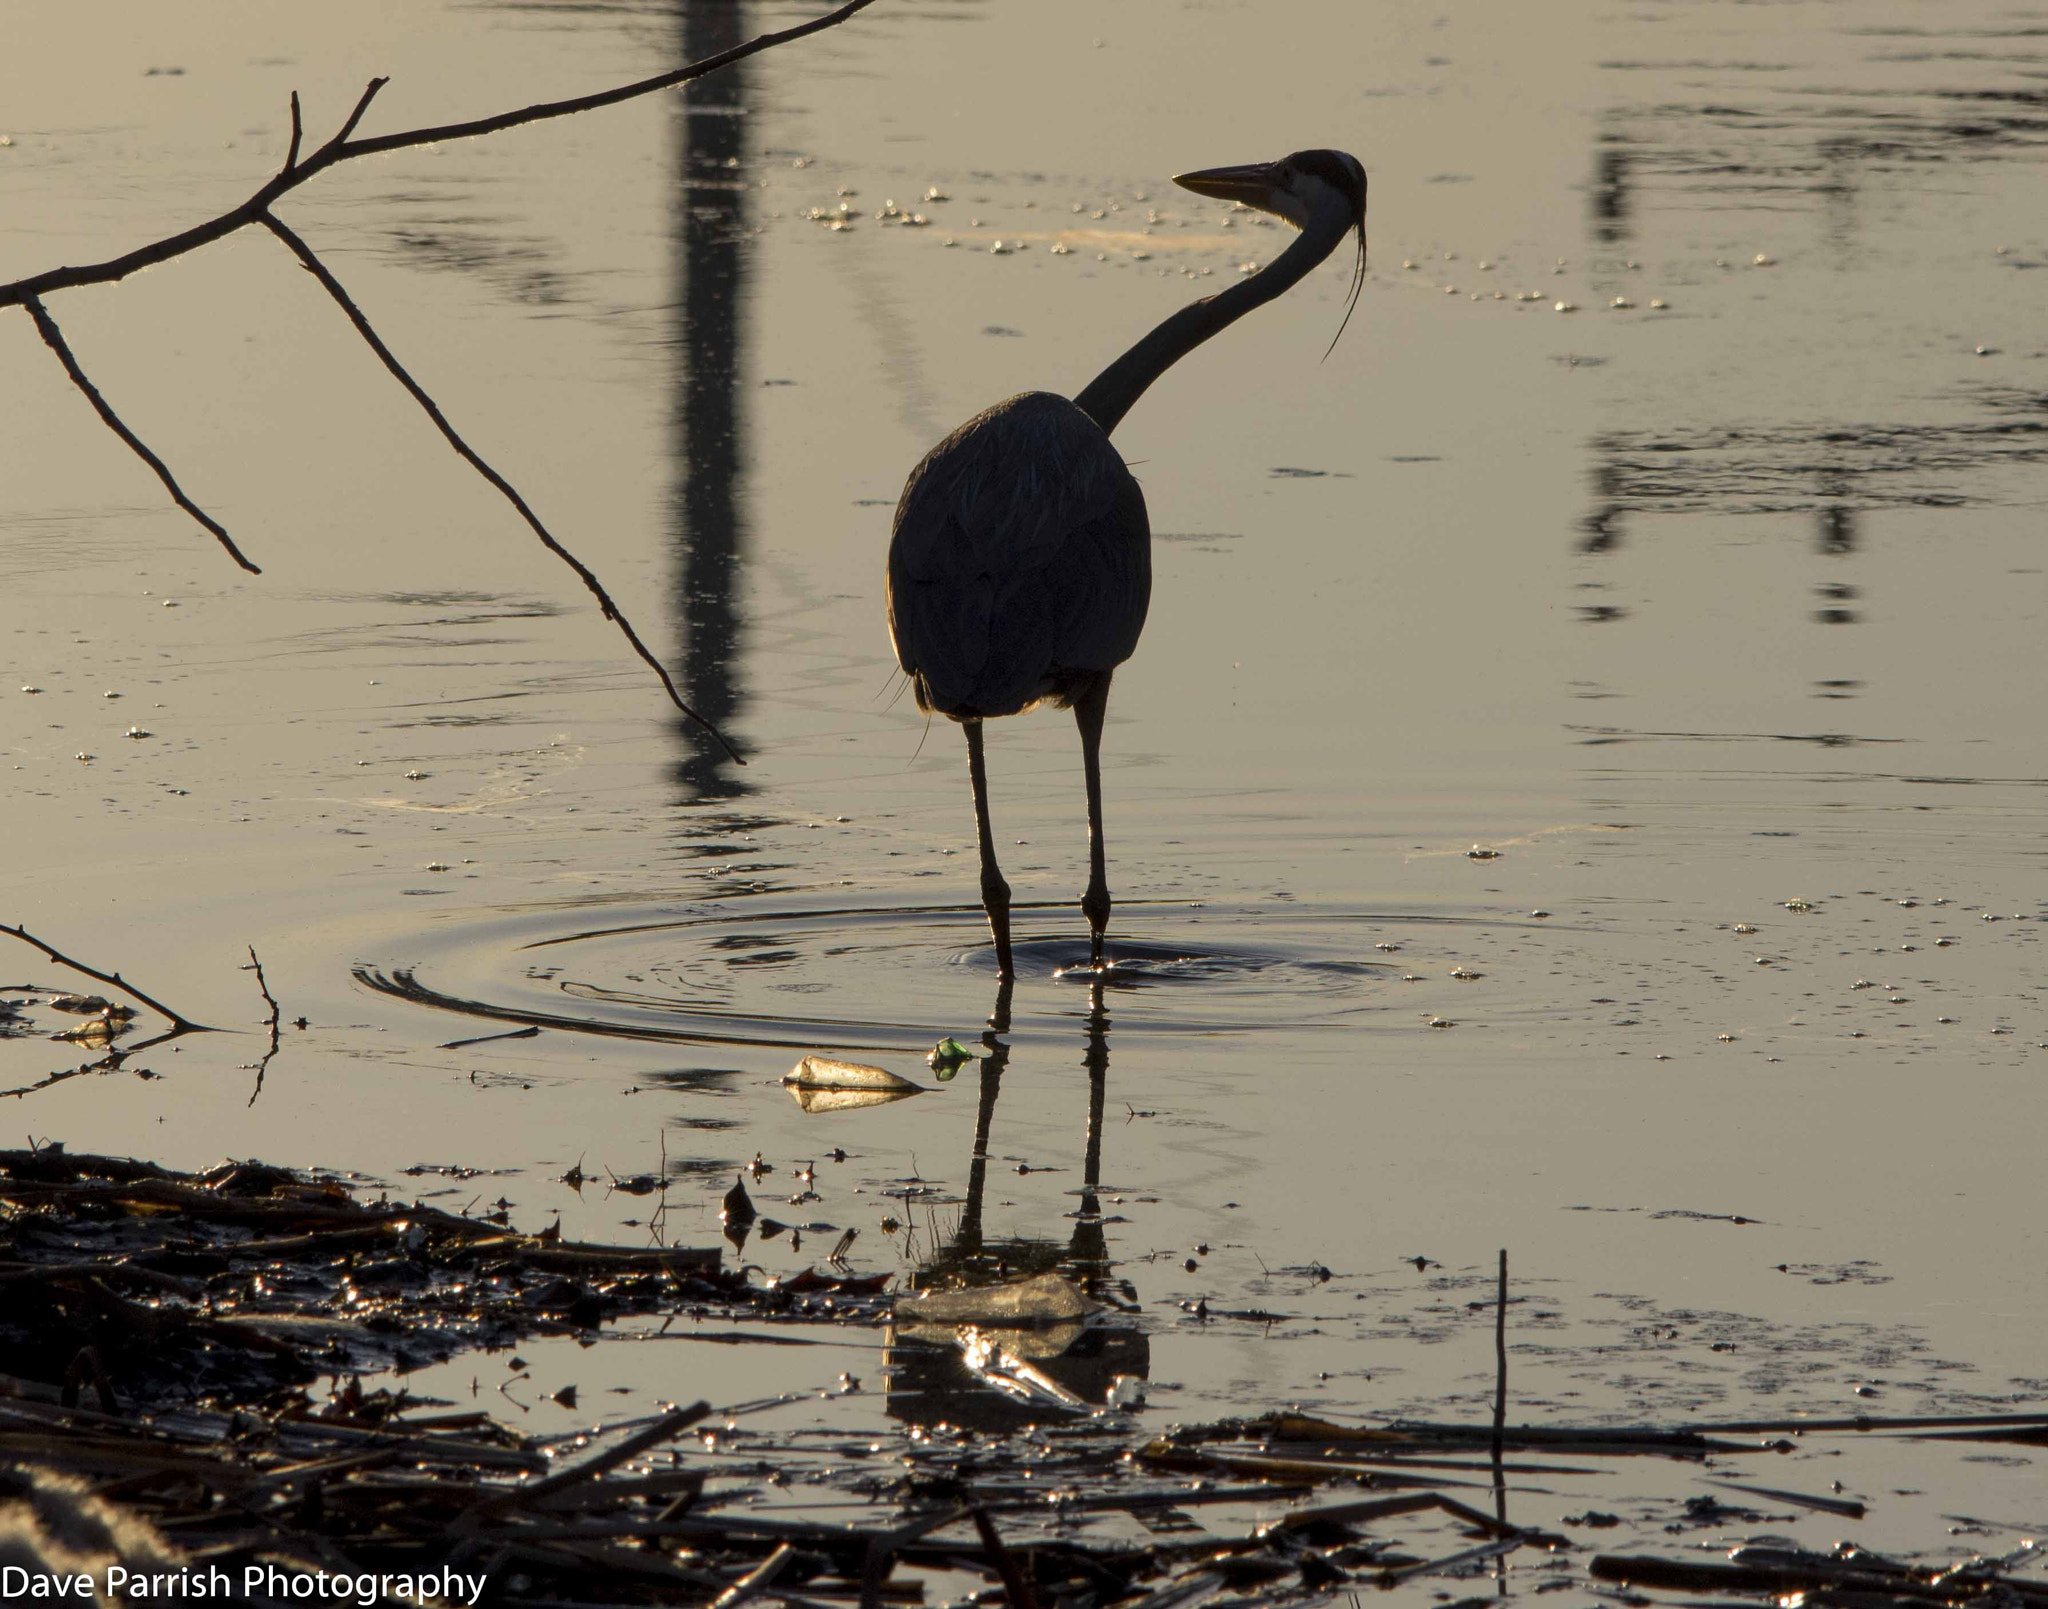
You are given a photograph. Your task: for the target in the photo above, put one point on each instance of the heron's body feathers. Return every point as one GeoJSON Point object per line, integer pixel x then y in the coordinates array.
{"type": "Point", "coordinates": [1020, 568]}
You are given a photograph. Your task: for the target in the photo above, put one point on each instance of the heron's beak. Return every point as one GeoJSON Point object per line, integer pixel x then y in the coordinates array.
{"type": "Point", "coordinates": [1252, 183]}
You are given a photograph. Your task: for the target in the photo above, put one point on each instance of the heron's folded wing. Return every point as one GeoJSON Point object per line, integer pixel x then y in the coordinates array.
{"type": "Point", "coordinates": [997, 568]}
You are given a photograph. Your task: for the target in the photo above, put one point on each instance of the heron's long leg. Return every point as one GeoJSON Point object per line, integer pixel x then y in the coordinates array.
{"type": "Point", "coordinates": [995, 893]}
{"type": "Point", "coordinates": [1088, 712]}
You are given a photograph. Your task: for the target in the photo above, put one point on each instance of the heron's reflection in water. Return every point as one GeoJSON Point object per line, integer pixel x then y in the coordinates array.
{"type": "Point", "coordinates": [981, 1376]}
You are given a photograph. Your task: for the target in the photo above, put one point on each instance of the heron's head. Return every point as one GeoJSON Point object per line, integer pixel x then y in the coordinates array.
{"type": "Point", "coordinates": [1316, 191]}
{"type": "Point", "coordinates": [1308, 188]}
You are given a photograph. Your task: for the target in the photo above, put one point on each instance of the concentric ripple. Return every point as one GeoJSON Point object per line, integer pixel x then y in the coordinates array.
{"type": "Point", "coordinates": [810, 978]}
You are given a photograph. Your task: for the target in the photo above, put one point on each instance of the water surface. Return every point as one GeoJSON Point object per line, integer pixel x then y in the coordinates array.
{"type": "Point", "coordinates": [1667, 524]}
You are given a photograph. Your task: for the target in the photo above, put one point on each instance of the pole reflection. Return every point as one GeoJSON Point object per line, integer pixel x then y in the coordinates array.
{"type": "Point", "coordinates": [710, 518]}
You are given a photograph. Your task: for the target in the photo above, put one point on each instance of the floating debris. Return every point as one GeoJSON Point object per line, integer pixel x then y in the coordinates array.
{"type": "Point", "coordinates": [948, 1056]}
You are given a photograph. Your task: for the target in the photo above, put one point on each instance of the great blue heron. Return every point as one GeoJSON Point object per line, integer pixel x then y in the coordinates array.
{"type": "Point", "coordinates": [1020, 566]}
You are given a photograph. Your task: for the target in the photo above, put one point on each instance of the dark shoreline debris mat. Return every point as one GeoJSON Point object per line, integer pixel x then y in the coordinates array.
{"type": "Point", "coordinates": [159, 1333]}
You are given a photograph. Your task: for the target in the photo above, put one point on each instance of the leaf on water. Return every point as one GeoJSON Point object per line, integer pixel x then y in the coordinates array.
{"type": "Point", "coordinates": [821, 1072]}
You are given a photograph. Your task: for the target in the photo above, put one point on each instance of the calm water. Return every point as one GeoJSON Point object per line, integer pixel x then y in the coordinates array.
{"type": "Point", "coordinates": [1668, 522]}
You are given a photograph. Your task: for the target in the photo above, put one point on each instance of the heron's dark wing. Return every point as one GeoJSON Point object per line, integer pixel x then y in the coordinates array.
{"type": "Point", "coordinates": [1021, 551]}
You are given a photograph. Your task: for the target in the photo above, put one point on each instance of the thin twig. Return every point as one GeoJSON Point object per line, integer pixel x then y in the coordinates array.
{"type": "Point", "coordinates": [182, 1024]}
{"type": "Point", "coordinates": [263, 1065]}
{"type": "Point", "coordinates": [343, 149]}
{"type": "Point", "coordinates": [362, 105]}
{"type": "Point", "coordinates": [469, 455]}
{"type": "Point", "coordinates": [54, 338]}
{"type": "Point", "coordinates": [291, 157]}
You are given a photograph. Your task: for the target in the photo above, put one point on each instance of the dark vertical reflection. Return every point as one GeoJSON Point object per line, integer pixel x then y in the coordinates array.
{"type": "Point", "coordinates": [712, 260]}
{"type": "Point", "coordinates": [967, 1243]}
{"type": "Point", "coordinates": [1611, 190]}
{"type": "Point", "coordinates": [930, 1366]}
{"type": "Point", "coordinates": [1089, 1248]}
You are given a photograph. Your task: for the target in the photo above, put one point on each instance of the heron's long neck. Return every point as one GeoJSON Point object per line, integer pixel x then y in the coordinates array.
{"type": "Point", "coordinates": [1108, 397]}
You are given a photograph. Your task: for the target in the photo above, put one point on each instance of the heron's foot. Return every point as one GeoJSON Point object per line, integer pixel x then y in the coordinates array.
{"type": "Point", "coordinates": [1095, 906]}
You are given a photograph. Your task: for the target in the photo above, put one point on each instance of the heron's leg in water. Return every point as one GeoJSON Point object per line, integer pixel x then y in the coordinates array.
{"type": "Point", "coordinates": [995, 893]}
{"type": "Point", "coordinates": [1088, 712]}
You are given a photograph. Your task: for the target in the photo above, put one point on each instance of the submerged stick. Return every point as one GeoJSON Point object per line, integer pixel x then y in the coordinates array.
{"type": "Point", "coordinates": [1500, 1361]}
{"type": "Point", "coordinates": [1017, 1591]}
{"type": "Point", "coordinates": [263, 1065]}
{"type": "Point", "coordinates": [54, 339]}
{"type": "Point", "coordinates": [184, 1025]}
{"type": "Point", "coordinates": [1862, 1422]}
{"type": "Point", "coordinates": [669, 1425]}
{"type": "Point", "coordinates": [470, 456]}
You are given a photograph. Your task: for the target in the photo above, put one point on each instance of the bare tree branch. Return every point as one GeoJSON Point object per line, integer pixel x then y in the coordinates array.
{"type": "Point", "coordinates": [183, 1025]}
{"type": "Point", "coordinates": [469, 455]}
{"type": "Point", "coordinates": [54, 337]}
{"type": "Point", "coordinates": [349, 127]}
{"type": "Point", "coordinates": [343, 149]}
{"type": "Point", "coordinates": [291, 157]}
